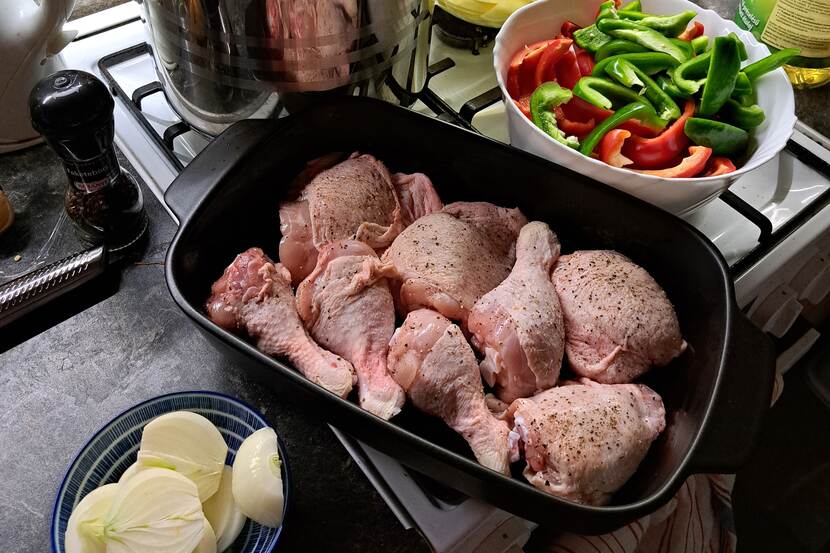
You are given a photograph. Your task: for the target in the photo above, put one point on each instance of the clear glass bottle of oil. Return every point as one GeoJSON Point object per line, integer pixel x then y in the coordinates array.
{"type": "Point", "coordinates": [803, 24]}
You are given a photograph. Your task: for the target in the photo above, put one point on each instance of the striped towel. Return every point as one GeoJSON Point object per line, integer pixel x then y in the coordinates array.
{"type": "Point", "coordinates": [698, 519]}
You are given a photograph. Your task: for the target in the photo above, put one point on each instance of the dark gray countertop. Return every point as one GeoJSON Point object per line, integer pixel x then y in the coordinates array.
{"type": "Point", "coordinates": [60, 385]}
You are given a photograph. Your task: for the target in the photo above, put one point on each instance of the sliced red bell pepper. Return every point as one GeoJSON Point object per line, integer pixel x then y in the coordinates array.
{"type": "Point", "coordinates": [546, 68]}
{"type": "Point", "coordinates": [655, 153]}
{"type": "Point", "coordinates": [580, 110]}
{"type": "Point", "coordinates": [719, 166]}
{"type": "Point", "coordinates": [585, 61]}
{"type": "Point", "coordinates": [568, 28]}
{"type": "Point", "coordinates": [691, 166]}
{"type": "Point", "coordinates": [610, 148]}
{"type": "Point", "coordinates": [692, 32]}
{"type": "Point", "coordinates": [578, 129]}
{"type": "Point", "coordinates": [567, 70]}
{"type": "Point", "coordinates": [523, 104]}
{"type": "Point", "coordinates": [521, 74]}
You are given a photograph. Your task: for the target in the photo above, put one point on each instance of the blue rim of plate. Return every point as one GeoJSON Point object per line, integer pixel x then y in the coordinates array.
{"type": "Point", "coordinates": [256, 414]}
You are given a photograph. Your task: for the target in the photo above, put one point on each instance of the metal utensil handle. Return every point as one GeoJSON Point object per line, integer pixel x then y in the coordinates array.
{"type": "Point", "coordinates": [24, 294]}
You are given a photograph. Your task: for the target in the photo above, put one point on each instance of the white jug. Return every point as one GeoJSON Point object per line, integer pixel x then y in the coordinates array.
{"type": "Point", "coordinates": [31, 34]}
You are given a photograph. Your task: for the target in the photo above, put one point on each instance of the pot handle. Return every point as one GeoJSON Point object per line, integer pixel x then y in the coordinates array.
{"type": "Point", "coordinates": [214, 163]}
{"type": "Point", "coordinates": [740, 405]}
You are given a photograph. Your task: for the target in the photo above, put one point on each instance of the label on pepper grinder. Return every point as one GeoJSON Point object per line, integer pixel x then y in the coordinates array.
{"type": "Point", "coordinates": [93, 175]}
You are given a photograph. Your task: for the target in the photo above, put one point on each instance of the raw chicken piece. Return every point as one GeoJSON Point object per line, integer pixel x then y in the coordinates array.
{"type": "Point", "coordinates": [255, 295]}
{"type": "Point", "coordinates": [583, 441]}
{"type": "Point", "coordinates": [618, 321]}
{"type": "Point", "coordinates": [518, 325]}
{"type": "Point", "coordinates": [446, 263]}
{"type": "Point", "coordinates": [354, 198]}
{"type": "Point", "coordinates": [328, 27]}
{"type": "Point", "coordinates": [432, 360]}
{"type": "Point", "coordinates": [347, 307]}
{"type": "Point", "coordinates": [417, 196]}
{"type": "Point", "coordinates": [501, 225]}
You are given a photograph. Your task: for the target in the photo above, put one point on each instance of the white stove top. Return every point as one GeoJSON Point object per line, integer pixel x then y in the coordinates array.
{"type": "Point", "coordinates": [777, 284]}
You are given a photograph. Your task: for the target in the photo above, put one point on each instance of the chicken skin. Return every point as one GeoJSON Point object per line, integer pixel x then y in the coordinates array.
{"type": "Point", "coordinates": [347, 307]}
{"type": "Point", "coordinates": [583, 441]}
{"type": "Point", "coordinates": [356, 198]}
{"type": "Point", "coordinates": [430, 358]}
{"type": "Point", "coordinates": [254, 294]}
{"type": "Point", "coordinates": [618, 320]}
{"type": "Point", "coordinates": [518, 325]}
{"type": "Point", "coordinates": [446, 263]}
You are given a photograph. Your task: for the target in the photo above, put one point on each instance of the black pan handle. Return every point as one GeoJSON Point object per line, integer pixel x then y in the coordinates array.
{"type": "Point", "coordinates": [743, 399]}
{"type": "Point", "coordinates": [213, 164]}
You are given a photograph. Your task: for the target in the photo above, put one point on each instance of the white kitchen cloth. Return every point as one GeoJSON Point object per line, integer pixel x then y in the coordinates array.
{"type": "Point", "coordinates": [698, 519]}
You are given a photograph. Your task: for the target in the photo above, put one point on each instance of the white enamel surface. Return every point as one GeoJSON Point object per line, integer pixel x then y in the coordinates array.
{"type": "Point", "coordinates": [542, 20]}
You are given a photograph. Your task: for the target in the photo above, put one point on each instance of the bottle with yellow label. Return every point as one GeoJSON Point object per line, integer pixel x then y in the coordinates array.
{"type": "Point", "coordinates": [803, 24]}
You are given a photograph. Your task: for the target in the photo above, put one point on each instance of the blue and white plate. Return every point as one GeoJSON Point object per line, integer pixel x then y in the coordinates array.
{"type": "Point", "coordinates": [115, 447]}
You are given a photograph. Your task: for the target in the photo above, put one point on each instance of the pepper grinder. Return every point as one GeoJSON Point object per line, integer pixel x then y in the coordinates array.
{"type": "Point", "coordinates": [73, 110]}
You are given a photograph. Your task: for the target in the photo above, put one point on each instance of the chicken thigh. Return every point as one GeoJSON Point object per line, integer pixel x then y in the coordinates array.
{"type": "Point", "coordinates": [518, 325]}
{"type": "Point", "coordinates": [501, 225]}
{"type": "Point", "coordinates": [356, 198]}
{"type": "Point", "coordinates": [446, 263]}
{"type": "Point", "coordinates": [347, 307]}
{"type": "Point", "coordinates": [583, 441]}
{"type": "Point", "coordinates": [618, 320]}
{"type": "Point", "coordinates": [430, 358]}
{"type": "Point", "coordinates": [254, 294]}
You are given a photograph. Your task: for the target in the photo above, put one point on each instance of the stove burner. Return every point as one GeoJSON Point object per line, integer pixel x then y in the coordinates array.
{"type": "Point", "coordinates": [455, 32]}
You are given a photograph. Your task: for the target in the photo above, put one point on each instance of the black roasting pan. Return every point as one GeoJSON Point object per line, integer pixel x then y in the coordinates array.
{"type": "Point", "coordinates": [715, 394]}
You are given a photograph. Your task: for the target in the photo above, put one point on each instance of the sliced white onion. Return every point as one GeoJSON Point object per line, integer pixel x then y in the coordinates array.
{"type": "Point", "coordinates": [131, 471]}
{"type": "Point", "coordinates": [223, 514]}
{"type": "Point", "coordinates": [257, 481]}
{"type": "Point", "coordinates": [86, 523]}
{"type": "Point", "coordinates": [155, 510]}
{"type": "Point", "coordinates": [208, 543]}
{"type": "Point", "coordinates": [187, 443]}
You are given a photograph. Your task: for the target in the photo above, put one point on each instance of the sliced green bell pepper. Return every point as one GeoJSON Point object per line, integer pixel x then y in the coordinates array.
{"type": "Point", "coordinates": [685, 46]}
{"type": "Point", "coordinates": [607, 9]}
{"type": "Point", "coordinates": [720, 79]}
{"type": "Point", "coordinates": [689, 76]}
{"type": "Point", "coordinates": [743, 86]}
{"type": "Point", "coordinates": [669, 25]}
{"type": "Point", "coordinates": [634, 6]}
{"type": "Point", "coordinates": [649, 62]}
{"type": "Point", "coordinates": [745, 117]}
{"type": "Point", "coordinates": [741, 46]}
{"type": "Point", "coordinates": [770, 63]}
{"type": "Point", "coordinates": [591, 38]}
{"type": "Point", "coordinates": [629, 74]}
{"type": "Point", "coordinates": [724, 139]}
{"type": "Point", "coordinates": [634, 110]}
{"type": "Point", "coordinates": [599, 91]}
{"type": "Point", "coordinates": [546, 97]}
{"type": "Point", "coordinates": [617, 47]}
{"type": "Point", "coordinates": [644, 36]}
{"type": "Point", "coordinates": [700, 44]}
{"type": "Point", "coordinates": [670, 88]}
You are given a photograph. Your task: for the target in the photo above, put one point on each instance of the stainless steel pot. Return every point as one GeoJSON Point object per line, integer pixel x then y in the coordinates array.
{"type": "Point", "coordinates": [220, 61]}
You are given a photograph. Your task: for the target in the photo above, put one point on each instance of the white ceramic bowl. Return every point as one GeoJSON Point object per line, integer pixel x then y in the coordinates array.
{"type": "Point", "coordinates": [542, 20]}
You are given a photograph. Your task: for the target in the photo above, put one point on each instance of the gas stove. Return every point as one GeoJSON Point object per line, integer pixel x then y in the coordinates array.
{"type": "Point", "coordinates": [773, 228]}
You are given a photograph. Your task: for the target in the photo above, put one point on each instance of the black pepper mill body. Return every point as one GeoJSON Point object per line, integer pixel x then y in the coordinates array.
{"type": "Point", "coordinates": [73, 110]}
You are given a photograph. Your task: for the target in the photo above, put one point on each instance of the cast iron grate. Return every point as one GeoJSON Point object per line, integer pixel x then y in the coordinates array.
{"type": "Point", "coordinates": [768, 238]}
